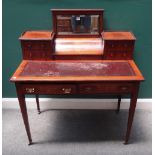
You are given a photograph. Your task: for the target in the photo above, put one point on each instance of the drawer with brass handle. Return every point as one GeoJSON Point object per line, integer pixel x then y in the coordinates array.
{"type": "Point", "coordinates": [30, 90]}
{"type": "Point", "coordinates": [108, 87]}
{"type": "Point", "coordinates": [66, 90]}
{"type": "Point", "coordinates": [124, 88]}
{"type": "Point", "coordinates": [89, 88]}
{"type": "Point", "coordinates": [49, 89]}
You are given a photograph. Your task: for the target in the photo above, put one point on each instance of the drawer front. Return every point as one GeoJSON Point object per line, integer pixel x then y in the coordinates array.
{"type": "Point", "coordinates": [64, 29]}
{"type": "Point", "coordinates": [33, 49]}
{"type": "Point", "coordinates": [36, 45]}
{"type": "Point", "coordinates": [119, 45]}
{"type": "Point", "coordinates": [49, 89]}
{"type": "Point", "coordinates": [99, 88]}
{"type": "Point", "coordinates": [127, 45]}
{"type": "Point", "coordinates": [111, 45]}
{"type": "Point", "coordinates": [121, 49]}
{"type": "Point", "coordinates": [63, 22]}
{"type": "Point", "coordinates": [121, 55]}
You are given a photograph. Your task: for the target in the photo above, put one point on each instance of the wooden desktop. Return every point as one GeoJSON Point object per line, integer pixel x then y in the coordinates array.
{"type": "Point", "coordinates": [77, 57]}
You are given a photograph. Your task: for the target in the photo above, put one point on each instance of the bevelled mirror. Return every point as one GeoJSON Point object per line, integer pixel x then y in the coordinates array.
{"type": "Point", "coordinates": [76, 22]}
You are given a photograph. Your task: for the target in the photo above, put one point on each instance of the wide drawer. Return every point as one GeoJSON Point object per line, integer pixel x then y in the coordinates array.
{"type": "Point", "coordinates": [85, 88]}
{"type": "Point", "coordinates": [98, 88]}
{"type": "Point", "coordinates": [49, 89]}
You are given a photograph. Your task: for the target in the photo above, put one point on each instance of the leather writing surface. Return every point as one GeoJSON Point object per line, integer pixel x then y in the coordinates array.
{"type": "Point", "coordinates": [47, 68]}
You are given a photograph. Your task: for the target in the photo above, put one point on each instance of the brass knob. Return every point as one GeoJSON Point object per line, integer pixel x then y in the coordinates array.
{"type": "Point", "coordinates": [66, 90]}
{"type": "Point", "coordinates": [30, 54]}
{"type": "Point", "coordinates": [124, 54]}
{"type": "Point", "coordinates": [30, 90]}
{"type": "Point", "coordinates": [29, 46]}
{"type": "Point", "coordinates": [111, 54]}
{"type": "Point", "coordinates": [42, 45]}
{"type": "Point", "coordinates": [125, 45]}
{"type": "Point", "coordinates": [112, 45]}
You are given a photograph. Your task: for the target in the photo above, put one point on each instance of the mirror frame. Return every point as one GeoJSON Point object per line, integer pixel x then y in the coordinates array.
{"type": "Point", "coordinates": [56, 12]}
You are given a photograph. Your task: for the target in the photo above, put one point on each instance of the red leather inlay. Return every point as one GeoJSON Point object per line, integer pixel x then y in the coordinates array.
{"type": "Point", "coordinates": [45, 68]}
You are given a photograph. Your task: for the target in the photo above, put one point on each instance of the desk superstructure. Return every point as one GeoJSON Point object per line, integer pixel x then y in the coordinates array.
{"type": "Point", "coordinates": [77, 57]}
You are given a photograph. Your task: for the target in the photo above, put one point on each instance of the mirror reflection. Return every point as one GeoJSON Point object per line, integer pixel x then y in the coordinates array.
{"type": "Point", "coordinates": [77, 24]}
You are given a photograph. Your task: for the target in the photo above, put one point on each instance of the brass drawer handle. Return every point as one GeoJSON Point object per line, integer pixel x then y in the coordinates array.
{"type": "Point", "coordinates": [30, 90]}
{"type": "Point", "coordinates": [66, 90]}
{"type": "Point", "coordinates": [124, 88]}
{"type": "Point", "coordinates": [88, 89]}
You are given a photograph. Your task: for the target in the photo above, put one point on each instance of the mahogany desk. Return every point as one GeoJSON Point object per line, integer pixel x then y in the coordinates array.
{"type": "Point", "coordinates": [91, 77]}
{"type": "Point", "coordinates": [77, 57]}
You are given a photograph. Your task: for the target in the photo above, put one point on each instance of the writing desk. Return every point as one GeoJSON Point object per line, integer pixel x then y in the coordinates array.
{"type": "Point", "coordinates": [56, 62]}
{"type": "Point", "coordinates": [91, 77]}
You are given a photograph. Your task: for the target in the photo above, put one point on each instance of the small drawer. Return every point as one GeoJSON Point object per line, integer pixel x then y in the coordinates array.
{"type": "Point", "coordinates": [111, 44]}
{"type": "Point", "coordinates": [127, 46]}
{"type": "Point", "coordinates": [118, 49]}
{"type": "Point", "coordinates": [45, 45]}
{"type": "Point", "coordinates": [63, 22]}
{"type": "Point", "coordinates": [60, 22]}
{"type": "Point", "coordinates": [124, 54]}
{"type": "Point", "coordinates": [36, 45]}
{"type": "Point", "coordinates": [28, 45]}
{"type": "Point", "coordinates": [114, 55]}
{"type": "Point", "coordinates": [36, 49]}
{"type": "Point", "coordinates": [60, 29]}
{"type": "Point", "coordinates": [49, 89]}
{"type": "Point", "coordinates": [63, 29]}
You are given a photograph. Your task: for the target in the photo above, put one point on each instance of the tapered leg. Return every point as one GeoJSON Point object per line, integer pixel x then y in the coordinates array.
{"type": "Point", "coordinates": [118, 105]}
{"type": "Point", "coordinates": [22, 104]}
{"type": "Point", "coordinates": [133, 103]}
{"type": "Point", "coordinates": [37, 101]}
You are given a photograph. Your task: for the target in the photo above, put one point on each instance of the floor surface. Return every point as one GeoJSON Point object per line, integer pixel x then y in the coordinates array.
{"type": "Point", "coordinates": [76, 132]}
